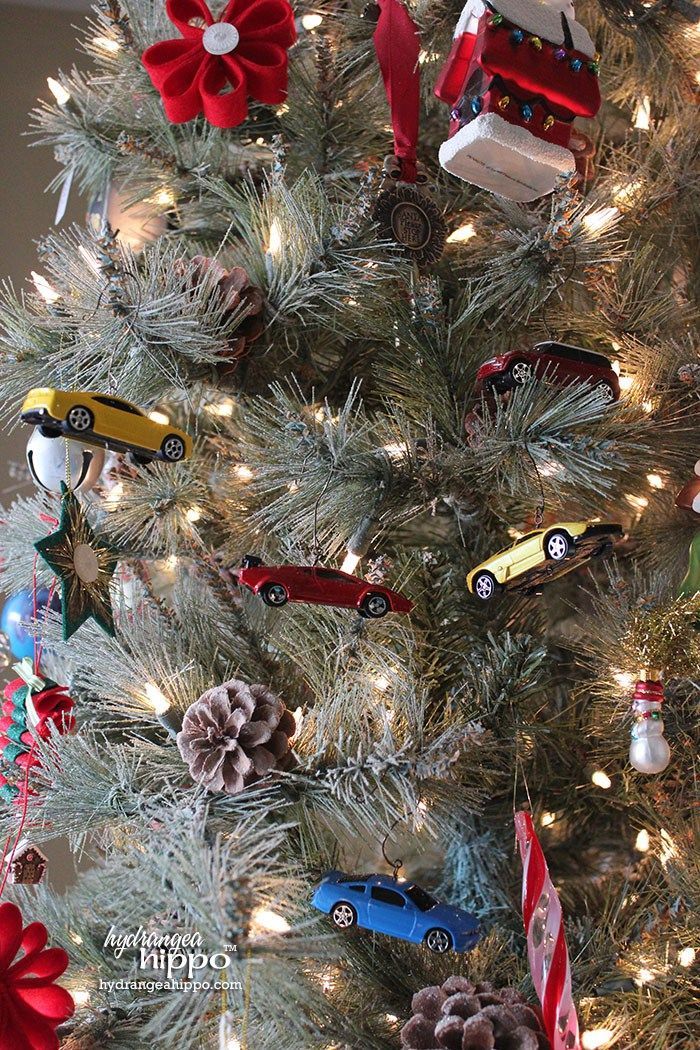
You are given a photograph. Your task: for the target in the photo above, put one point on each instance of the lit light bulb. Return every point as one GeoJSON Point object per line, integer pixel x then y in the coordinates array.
{"type": "Point", "coordinates": [45, 290]}
{"type": "Point", "coordinates": [642, 841]}
{"type": "Point", "coordinates": [616, 364]}
{"type": "Point", "coordinates": [243, 472]}
{"type": "Point", "coordinates": [61, 94]}
{"type": "Point", "coordinates": [157, 699]}
{"type": "Point", "coordinates": [638, 502]}
{"type": "Point", "coordinates": [655, 481]}
{"type": "Point", "coordinates": [624, 679]}
{"type": "Point", "coordinates": [686, 956]}
{"type": "Point", "coordinates": [626, 382]}
{"type": "Point", "coordinates": [165, 198]}
{"type": "Point", "coordinates": [645, 976]}
{"type": "Point", "coordinates": [350, 563]}
{"type": "Point", "coordinates": [596, 1038]}
{"type": "Point", "coordinates": [298, 716]}
{"type": "Point", "coordinates": [596, 221]}
{"type": "Point", "coordinates": [668, 849]}
{"type": "Point", "coordinates": [275, 240]}
{"type": "Point", "coordinates": [115, 493]}
{"type": "Point", "coordinates": [624, 193]}
{"type": "Point", "coordinates": [381, 683]}
{"type": "Point", "coordinates": [107, 43]}
{"type": "Point", "coordinates": [642, 114]}
{"type": "Point", "coordinates": [462, 234]}
{"type": "Point", "coordinates": [193, 514]}
{"type": "Point", "coordinates": [391, 1018]}
{"type": "Point", "coordinates": [158, 417]}
{"type": "Point", "coordinates": [311, 22]}
{"type": "Point", "coordinates": [77, 939]}
{"type": "Point", "coordinates": [233, 1043]}
{"type": "Point", "coordinates": [601, 779]}
{"type": "Point", "coordinates": [171, 562]}
{"type": "Point", "coordinates": [648, 406]}
{"type": "Point", "coordinates": [547, 819]}
{"type": "Point", "coordinates": [396, 448]}
{"type": "Point", "coordinates": [224, 409]}
{"type": "Point", "coordinates": [81, 997]}
{"type": "Point", "coordinates": [268, 920]}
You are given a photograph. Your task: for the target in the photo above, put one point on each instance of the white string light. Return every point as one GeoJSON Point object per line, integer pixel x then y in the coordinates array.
{"type": "Point", "coordinates": [642, 841]}
{"type": "Point", "coordinates": [350, 563]}
{"type": "Point", "coordinates": [158, 417]}
{"type": "Point", "coordinates": [642, 114]}
{"type": "Point", "coordinates": [61, 94]}
{"type": "Point", "coordinates": [311, 22]}
{"type": "Point", "coordinates": [107, 43]}
{"type": "Point", "coordinates": [686, 956]}
{"type": "Point", "coordinates": [266, 920]}
{"type": "Point", "coordinates": [601, 779]}
{"type": "Point", "coordinates": [47, 292]}
{"type": "Point", "coordinates": [462, 234]}
{"type": "Point", "coordinates": [596, 1038]}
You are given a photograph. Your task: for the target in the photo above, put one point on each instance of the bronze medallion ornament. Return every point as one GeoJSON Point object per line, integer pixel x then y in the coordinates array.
{"type": "Point", "coordinates": [411, 219]}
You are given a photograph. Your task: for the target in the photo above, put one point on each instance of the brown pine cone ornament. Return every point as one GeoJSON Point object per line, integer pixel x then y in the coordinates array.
{"type": "Point", "coordinates": [237, 294]}
{"type": "Point", "coordinates": [234, 734]}
{"type": "Point", "coordinates": [460, 1015]}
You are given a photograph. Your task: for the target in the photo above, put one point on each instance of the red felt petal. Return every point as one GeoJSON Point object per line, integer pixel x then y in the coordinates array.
{"type": "Point", "coordinates": [27, 1030]}
{"type": "Point", "coordinates": [265, 69]}
{"type": "Point", "coordinates": [172, 58]}
{"type": "Point", "coordinates": [48, 1001]}
{"type": "Point", "coordinates": [223, 108]}
{"type": "Point", "coordinates": [181, 91]}
{"type": "Point", "coordinates": [10, 933]}
{"type": "Point", "coordinates": [44, 966]}
{"type": "Point", "coordinates": [181, 11]}
{"type": "Point", "coordinates": [271, 20]}
{"type": "Point", "coordinates": [11, 1035]}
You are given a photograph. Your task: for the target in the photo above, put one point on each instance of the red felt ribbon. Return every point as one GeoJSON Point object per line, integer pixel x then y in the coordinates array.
{"type": "Point", "coordinates": [191, 80]}
{"type": "Point", "coordinates": [397, 43]}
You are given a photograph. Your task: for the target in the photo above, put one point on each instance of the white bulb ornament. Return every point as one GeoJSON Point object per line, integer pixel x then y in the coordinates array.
{"type": "Point", "coordinates": [649, 750]}
{"type": "Point", "coordinates": [53, 461]}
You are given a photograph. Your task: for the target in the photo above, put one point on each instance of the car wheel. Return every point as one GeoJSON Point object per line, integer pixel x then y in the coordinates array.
{"type": "Point", "coordinates": [80, 419]}
{"type": "Point", "coordinates": [274, 594]}
{"type": "Point", "coordinates": [375, 606]}
{"type": "Point", "coordinates": [48, 431]}
{"type": "Point", "coordinates": [557, 545]}
{"type": "Point", "coordinates": [484, 586]}
{"type": "Point", "coordinates": [344, 915]}
{"type": "Point", "coordinates": [438, 941]}
{"type": "Point", "coordinates": [521, 372]}
{"type": "Point", "coordinates": [173, 448]}
{"type": "Point", "coordinates": [607, 394]}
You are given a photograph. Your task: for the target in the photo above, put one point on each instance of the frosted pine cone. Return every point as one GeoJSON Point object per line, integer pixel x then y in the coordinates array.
{"type": "Point", "coordinates": [460, 1015]}
{"type": "Point", "coordinates": [234, 734]}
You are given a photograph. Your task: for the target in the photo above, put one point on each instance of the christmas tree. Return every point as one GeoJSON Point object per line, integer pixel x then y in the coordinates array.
{"type": "Point", "coordinates": [280, 433]}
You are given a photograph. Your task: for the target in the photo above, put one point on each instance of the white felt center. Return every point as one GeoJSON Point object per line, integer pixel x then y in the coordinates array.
{"type": "Point", "coordinates": [221, 38]}
{"type": "Point", "coordinates": [85, 563]}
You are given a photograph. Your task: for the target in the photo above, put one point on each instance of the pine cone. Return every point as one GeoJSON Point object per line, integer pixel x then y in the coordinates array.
{"type": "Point", "coordinates": [238, 294]}
{"type": "Point", "coordinates": [460, 1015]}
{"type": "Point", "coordinates": [234, 734]}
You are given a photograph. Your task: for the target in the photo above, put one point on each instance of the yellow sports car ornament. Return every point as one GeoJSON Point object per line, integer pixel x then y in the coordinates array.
{"type": "Point", "coordinates": [542, 555]}
{"type": "Point", "coordinates": [101, 419]}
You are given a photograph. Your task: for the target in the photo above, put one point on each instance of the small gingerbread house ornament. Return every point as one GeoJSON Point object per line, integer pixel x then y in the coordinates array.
{"type": "Point", "coordinates": [28, 866]}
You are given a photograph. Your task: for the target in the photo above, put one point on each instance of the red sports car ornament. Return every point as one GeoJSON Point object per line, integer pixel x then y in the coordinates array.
{"type": "Point", "coordinates": [217, 65]}
{"type": "Point", "coordinates": [279, 584]}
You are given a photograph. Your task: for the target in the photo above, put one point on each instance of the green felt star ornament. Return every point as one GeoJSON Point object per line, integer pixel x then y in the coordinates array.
{"type": "Point", "coordinates": [83, 563]}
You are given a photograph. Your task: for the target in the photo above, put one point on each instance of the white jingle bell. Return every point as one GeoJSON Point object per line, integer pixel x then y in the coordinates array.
{"type": "Point", "coordinates": [47, 456]}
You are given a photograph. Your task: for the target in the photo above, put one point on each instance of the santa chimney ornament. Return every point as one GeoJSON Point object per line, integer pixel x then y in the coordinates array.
{"type": "Point", "coordinates": [518, 74]}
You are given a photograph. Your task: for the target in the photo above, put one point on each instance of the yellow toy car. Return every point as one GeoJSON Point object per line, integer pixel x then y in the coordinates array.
{"type": "Point", "coordinates": [542, 555]}
{"type": "Point", "coordinates": [99, 419]}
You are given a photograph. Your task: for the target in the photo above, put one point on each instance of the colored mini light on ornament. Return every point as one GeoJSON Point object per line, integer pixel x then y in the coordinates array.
{"type": "Point", "coordinates": [546, 943]}
{"type": "Point", "coordinates": [649, 750]}
{"type": "Point", "coordinates": [576, 65]}
{"type": "Point", "coordinates": [476, 105]}
{"type": "Point", "coordinates": [526, 112]}
{"type": "Point", "coordinates": [536, 43]}
{"type": "Point", "coordinates": [496, 21]}
{"type": "Point", "coordinates": [560, 54]}
{"type": "Point", "coordinates": [517, 36]}
{"type": "Point", "coordinates": [504, 102]}
{"type": "Point", "coordinates": [548, 122]}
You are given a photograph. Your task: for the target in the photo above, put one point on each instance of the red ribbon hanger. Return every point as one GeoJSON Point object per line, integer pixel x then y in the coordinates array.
{"type": "Point", "coordinates": [397, 43]}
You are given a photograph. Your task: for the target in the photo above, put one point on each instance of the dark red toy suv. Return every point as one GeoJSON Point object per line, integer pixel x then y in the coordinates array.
{"type": "Point", "coordinates": [555, 361]}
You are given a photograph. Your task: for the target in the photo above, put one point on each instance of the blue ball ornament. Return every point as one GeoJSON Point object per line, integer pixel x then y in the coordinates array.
{"type": "Point", "coordinates": [19, 610]}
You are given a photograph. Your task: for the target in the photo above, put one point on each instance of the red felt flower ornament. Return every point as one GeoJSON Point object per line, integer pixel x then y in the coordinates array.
{"type": "Point", "coordinates": [31, 1007]}
{"type": "Point", "coordinates": [216, 66]}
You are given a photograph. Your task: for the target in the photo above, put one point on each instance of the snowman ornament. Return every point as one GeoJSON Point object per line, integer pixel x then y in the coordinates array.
{"type": "Point", "coordinates": [56, 460]}
{"type": "Point", "coordinates": [649, 750]}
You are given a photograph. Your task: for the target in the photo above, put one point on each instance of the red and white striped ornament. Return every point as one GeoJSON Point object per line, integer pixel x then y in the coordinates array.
{"type": "Point", "coordinates": [546, 943]}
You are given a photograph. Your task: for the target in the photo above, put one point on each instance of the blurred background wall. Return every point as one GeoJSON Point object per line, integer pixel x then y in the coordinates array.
{"type": "Point", "coordinates": [35, 41]}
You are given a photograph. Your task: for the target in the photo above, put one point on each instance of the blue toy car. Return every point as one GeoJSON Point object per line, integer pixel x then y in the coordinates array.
{"type": "Point", "coordinates": [397, 907]}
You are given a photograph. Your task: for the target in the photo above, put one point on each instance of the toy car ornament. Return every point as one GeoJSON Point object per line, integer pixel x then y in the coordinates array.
{"type": "Point", "coordinates": [397, 907]}
{"type": "Point", "coordinates": [315, 585]}
{"type": "Point", "coordinates": [106, 421]}
{"type": "Point", "coordinates": [559, 363]}
{"type": "Point", "coordinates": [542, 555]}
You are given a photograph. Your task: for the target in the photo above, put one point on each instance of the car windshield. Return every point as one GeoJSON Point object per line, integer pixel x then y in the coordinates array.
{"type": "Point", "coordinates": [420, 898]}
{"type": "Point", "coordinates": [527, 536]}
